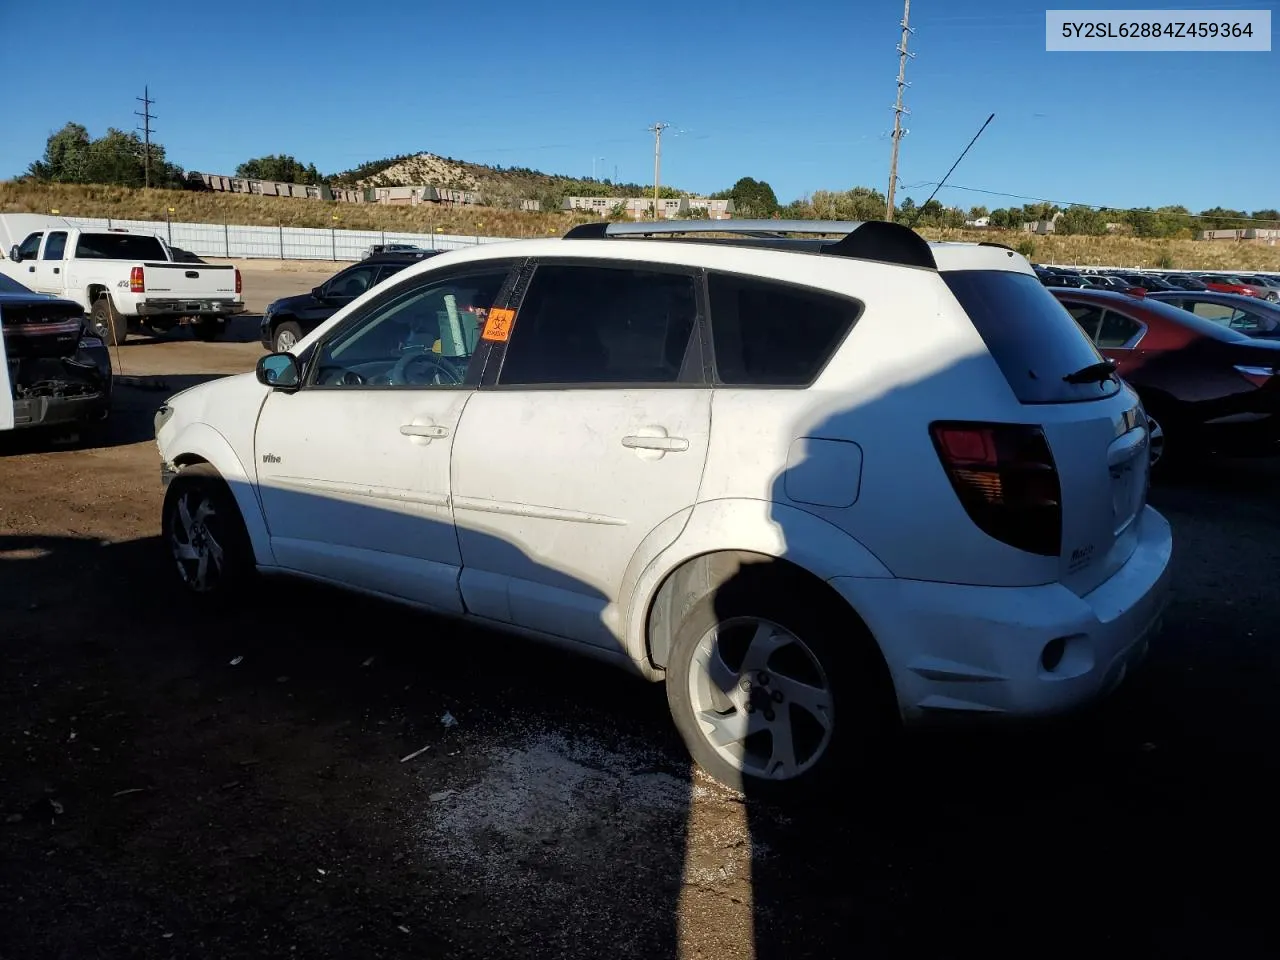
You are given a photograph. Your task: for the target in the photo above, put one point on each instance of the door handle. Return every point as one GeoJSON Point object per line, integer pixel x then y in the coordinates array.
{"type": "Point", "coordinates": [665, 444]}
{"type": "Point", "coordinates": [57, 269]}
{"type": "Point", "coordinates": [31, 269]}
{"type": "Point", "coordinates": [429, 430]}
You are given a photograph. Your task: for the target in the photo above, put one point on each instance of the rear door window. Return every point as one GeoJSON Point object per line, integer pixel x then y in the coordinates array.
{"type": "Point", "coordinates": [1035, 342]}
{"type": "Point", "coordinates": [1117, 331]}
{"type": "Point", "coordinates": [119, 246]}
{"type": "Point", "coordinates": [54, 246]}
{"type": "Point", "coordinates": [766, 333]}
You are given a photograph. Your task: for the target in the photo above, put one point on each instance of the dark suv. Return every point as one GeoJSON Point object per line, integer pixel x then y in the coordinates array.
{"type": "Point", "coordinates": [289, 319]}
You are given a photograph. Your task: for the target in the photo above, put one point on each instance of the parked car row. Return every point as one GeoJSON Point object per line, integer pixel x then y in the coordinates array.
{"type": "Point", "coordinates": [1140, 283]}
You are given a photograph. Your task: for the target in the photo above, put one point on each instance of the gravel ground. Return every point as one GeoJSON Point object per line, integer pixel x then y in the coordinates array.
{"type": "Point", "coordinates": [317, 776]}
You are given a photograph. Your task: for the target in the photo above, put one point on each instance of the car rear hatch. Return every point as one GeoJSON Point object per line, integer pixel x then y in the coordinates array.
{"type": "Point", "coordinates": [1076, 424]}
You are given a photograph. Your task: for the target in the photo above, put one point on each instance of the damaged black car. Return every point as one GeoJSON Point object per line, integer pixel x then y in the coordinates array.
{"type": "Point", "coordinates": [59, 371]}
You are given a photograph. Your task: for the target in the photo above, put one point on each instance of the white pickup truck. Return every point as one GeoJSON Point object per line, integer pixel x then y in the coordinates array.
{"type": "Point", "coordinates": [125, 279]}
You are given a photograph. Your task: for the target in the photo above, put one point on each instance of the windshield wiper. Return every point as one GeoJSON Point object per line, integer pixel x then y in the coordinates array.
{"type": "Point", "coordinates": [1093, 373]}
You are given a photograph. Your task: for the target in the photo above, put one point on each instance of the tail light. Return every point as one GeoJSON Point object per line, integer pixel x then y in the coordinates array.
{"type": "Point", "coordinates": [1007, 481]}
{"type": "Point", "coordinates": [1259, 376]}
{"type": "Point", "coordinates": [136, 282]}
{"type": "Point", "coordinates": [237, 279]}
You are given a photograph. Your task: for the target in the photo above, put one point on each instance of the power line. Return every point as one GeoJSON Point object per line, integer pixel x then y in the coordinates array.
{"type": "Point", "coordinates": [898, 108]}
{"type": "Point", "coordinates": [147, 117]}
{"type": "Point", "coordinates": [1095, 206]}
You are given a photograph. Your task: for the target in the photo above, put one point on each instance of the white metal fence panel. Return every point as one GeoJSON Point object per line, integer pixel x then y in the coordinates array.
{"type": "Point", "coordinates": [235, 241]}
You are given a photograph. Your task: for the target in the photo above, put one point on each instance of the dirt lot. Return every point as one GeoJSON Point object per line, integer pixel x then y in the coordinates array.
{"type": "Point", "coordinates": [175, 786]}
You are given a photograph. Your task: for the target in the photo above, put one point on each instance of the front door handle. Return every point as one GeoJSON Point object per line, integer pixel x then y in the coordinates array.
{"type": "Point", "coordinates": [57, 269]}
{"type": "Point", "coordinates": [31, 269]}
{"type": "Point", "coordinates": [431, 431]}
{"type": "Point", "coordinates": [665, 444]}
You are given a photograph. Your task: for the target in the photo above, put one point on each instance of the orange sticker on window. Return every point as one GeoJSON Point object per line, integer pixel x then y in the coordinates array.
{"type": "Point", "coordinates": [497, 327]}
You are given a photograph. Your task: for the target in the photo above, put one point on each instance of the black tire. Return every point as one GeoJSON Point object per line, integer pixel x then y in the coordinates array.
{"type": "Point", "coordinates": [109, 324]}
{"type": "Point", "coordinates": [209, 329]}
{"type": "Point", "coordinates": [192, 489]}
{"type": "Point", "coordinates": [290, 329]}
{"type": "Point", "coordinates": [863, 709]}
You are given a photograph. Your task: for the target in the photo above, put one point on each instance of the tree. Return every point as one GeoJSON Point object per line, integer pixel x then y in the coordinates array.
{"type": "Point", "coordinates": [281, 168]}
{"type": "Point", "coordinates": [751, 198]}
{"type": "Point", "coordinates": [978, 212]}
{"type": "Point", "coordinates": [1078, 219]}
{"type": "Point", "coordinates": [117, 158]}
{"type": "Point", "coordinates": [1267, 214]}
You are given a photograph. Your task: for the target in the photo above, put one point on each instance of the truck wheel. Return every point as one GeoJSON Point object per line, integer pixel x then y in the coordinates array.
{"type": "Point", "coordinates": [108, 323]}
{"type": "Point", "coordinates": [286, 336]}
{"type": "Point", "coordinates": [209, 328]}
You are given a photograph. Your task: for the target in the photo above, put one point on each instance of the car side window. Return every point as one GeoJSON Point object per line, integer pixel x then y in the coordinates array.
{"type": "Point", "coordinates": [1117, 330]}
{"type": "Point", "coordinates": [351, 283]}
{"type": "Point", "coordinates": [1089, 318]}
{"type": "Point", "coordinates": [601, 325]}
{"type": "Point", "coordinates": [31, 246]}
{"type": "Point", "coordinates": [767, 333]}
{"type": "Point", "coordinates": [1213, 311]}
{"type": "Point", "coordinates": [422, 334]}
{"type": "Point", "coordinates": [55, 246]}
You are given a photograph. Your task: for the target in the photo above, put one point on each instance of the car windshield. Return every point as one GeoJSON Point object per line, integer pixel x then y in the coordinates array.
{"type": "Point", "coordinates": [9, 285]}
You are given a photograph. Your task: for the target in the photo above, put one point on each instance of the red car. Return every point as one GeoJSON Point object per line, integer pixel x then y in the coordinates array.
{"type": "Point", "coordinates": [1204, 387]}
{"type": "Point", "coordinates": [1225, 284]}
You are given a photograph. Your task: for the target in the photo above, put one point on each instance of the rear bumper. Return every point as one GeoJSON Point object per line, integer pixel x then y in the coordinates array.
{"type": "Point", "coordinates": [954, 649]}
{"type": "Point", "coordinates": [59, 411]}
{"type": "Point", "coordinates": [189, 308]}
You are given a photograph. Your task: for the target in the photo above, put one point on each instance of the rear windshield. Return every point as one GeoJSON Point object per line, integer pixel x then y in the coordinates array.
{"type": "Point", "coordinates": [1030, 335]}
{"type": "Point", "coordinates": [118, 246]}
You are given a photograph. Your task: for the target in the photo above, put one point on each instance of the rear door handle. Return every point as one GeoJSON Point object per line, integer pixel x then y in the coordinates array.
{"type": "Point", "coordinates": [665, 444]}
{"type": "Point", "coordinates": [57, 269]}
{"type": "Point", "coordinates": [430, 430]}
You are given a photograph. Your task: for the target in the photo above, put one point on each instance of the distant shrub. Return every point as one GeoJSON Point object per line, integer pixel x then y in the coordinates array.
{"type": "Point", "coordinates": [1027, 248]}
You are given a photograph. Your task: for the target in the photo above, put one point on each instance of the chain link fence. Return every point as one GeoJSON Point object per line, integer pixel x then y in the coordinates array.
{"type": "Point", "coordinates": [234, 241]}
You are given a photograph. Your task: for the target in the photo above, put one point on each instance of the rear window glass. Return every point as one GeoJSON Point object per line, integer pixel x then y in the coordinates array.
{"type": "Point", "coordinates": [775, 334]}
{"type": "Point", "coordinates": [118, 246]}
{"type": "Point", "coordinates": [1032, 338]}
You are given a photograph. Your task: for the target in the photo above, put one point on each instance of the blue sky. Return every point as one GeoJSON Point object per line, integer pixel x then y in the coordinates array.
{"type": "Point", "coordinates": [799, 94]}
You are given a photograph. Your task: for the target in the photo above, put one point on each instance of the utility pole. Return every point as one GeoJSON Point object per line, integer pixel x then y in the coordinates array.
{"type": "Point", "coordinates": [147, 117]}
{"type": "Point", "coordinates": [898, 108]}
{"type": "Point", "coordinates": [656, 130]}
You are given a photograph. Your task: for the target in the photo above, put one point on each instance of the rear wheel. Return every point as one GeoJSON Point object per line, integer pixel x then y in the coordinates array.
{"type": "Point", "coordinates": [107, 322]}
{"type": "Point", "coordinates": [205, 535]}
{"type": "Point", "coordinates": [287, 336]}
{"type": "Point", "coordinates": [775, 686]}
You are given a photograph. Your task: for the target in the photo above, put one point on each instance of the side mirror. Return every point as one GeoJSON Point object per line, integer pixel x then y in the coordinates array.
{"type": "Point", "coordinates": [318, 292]}
{"type": "Point", "coordinates": [14, 255]}
{"type": "Point", "coordinates": [278, 371]}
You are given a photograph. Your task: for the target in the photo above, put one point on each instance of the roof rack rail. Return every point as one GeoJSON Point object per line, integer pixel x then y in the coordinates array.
{"type": "Point", "coordinates": [862, 239]}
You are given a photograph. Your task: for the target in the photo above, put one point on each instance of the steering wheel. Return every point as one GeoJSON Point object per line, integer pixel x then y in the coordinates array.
{"type": "Point", "coordinates": [414, 369]}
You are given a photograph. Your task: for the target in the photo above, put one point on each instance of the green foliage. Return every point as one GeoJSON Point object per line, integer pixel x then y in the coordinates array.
{"type": "Point", "coordinates": [1079, 219]}
{"type": "Point", "coordinates": [978, 212]}
{"type": "Point", "coordinates": [1006, 219]}
{"type": "Point", "coordinates": [282, 168]}
{"type": "Point", "coordinates": [751, 198]}
{"type": "Point", "coordinates": [1027, 248]}
{"type": "Point", "coordinates": [860, 203]}
{"type": "Point", "coordinates": [1165, 262]}
{"type": "Point", "coordinates": [72, 156]}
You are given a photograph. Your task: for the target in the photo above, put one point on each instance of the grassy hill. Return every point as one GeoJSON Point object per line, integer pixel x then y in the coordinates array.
{"type": "Point", "coordinates": [197, 207]}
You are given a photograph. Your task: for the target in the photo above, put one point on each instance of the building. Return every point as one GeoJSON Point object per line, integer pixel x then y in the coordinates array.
{"type": "Point", "coordinates": [271, 188]}
{"type": "Point", "coordinates": [981, 223]}
{"type": "Point", "coordinates": [641, 208]}
{"type": "Point", "coordinates": [1254, 234]}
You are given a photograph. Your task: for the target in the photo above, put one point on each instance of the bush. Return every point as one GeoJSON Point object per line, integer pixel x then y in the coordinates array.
{"type": "Point", "coordinates": [1027, 248]}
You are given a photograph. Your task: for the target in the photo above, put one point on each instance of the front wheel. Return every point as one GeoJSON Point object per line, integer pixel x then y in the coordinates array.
{"type": "Point", "coordinates": [205, 535]}
{"type": "Point", "coordinates": [287, 336]}
{"type": "Point", "coordinates": [774, 686]}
